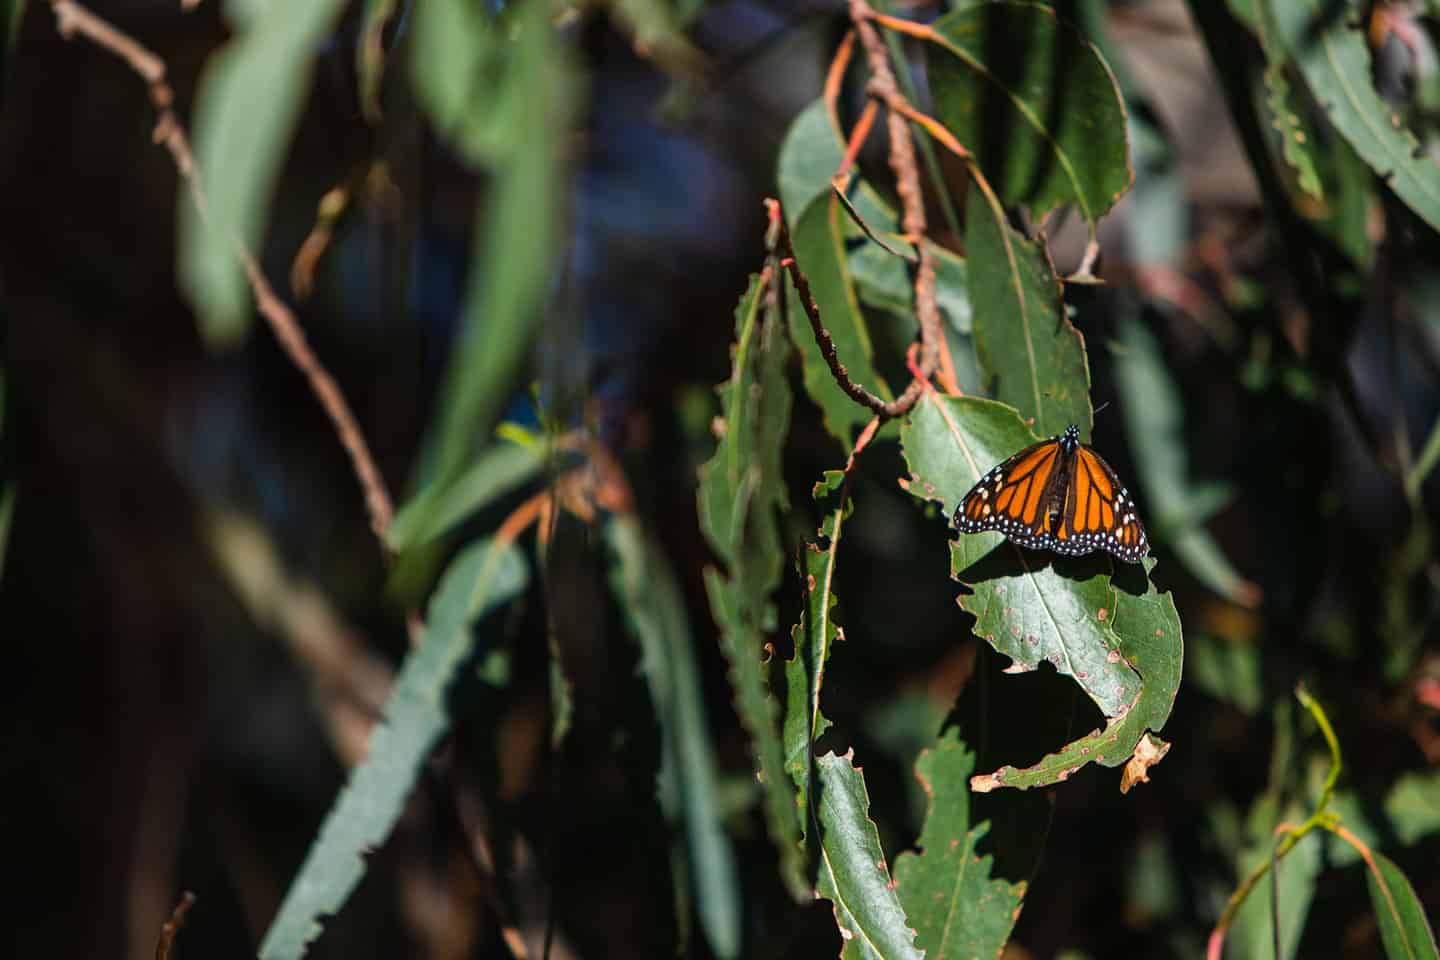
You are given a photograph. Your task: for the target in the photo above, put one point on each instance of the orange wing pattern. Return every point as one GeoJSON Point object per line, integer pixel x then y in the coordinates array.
{"type": "Point", "coordinates": [1057, 495]}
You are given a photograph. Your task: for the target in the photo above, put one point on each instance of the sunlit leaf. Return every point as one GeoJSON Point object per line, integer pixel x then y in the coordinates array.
{"type": "Point", "coordinates": [1404, 929]}
{"type": "Point", "coordinates": [1030, 354]}
{"type": "Point", "coordinates": [481, 578]}
{"type": "Point", "coordinates": [949, 895]}
{"type": "Point", "coordinates": [246, 107]}
{"type": "Point", "coordinates": [1295, 134]}
{"type": "Point", "coordinates": [1029, 606]}
{"type": "Point", "coordinates": [853, 875]}
{"type": "Point", "coordinates": [741, 488]}
{"type": "Point", "coordinates": [1332, 56]}
{"type": "Point", "coordinates": [1035, 103]}
{"type": "Point", "coordinates": [654, 608]}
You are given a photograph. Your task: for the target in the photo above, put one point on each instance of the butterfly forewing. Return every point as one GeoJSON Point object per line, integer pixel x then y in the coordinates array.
{"type": "Point", "coordinates": [1057, 495]}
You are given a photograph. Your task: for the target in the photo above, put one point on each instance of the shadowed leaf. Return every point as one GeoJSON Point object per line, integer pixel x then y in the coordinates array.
{"type": "Point", "coordinates": [1332, 57]}
{"type": "Point", "coordinates": [654, 609]}
{"type": "Point", "coordinates": [1035, 103]}
{"type": "Point", "coordinates": [1029, 352]}
{"type": "Point", "coordinates": [957, 909]}
{"type": "Point", "coordinates": [481, 578]}
{"type": "Point", "coordinates": [741, 488]}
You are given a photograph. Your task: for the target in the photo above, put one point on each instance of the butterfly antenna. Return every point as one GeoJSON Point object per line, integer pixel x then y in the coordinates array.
{"type": "Point", "coordinates": [1101, 407]}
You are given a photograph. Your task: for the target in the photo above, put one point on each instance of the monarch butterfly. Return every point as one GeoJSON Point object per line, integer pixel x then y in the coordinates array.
{"type": "Point", "coordinates": [1056, 495]}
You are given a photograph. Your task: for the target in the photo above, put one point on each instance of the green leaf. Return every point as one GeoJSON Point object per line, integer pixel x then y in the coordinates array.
{"type": "Point", "coordinates": [1332, 57]}
{"type": "Point", "coordinates": [1026, 346]}
{"type": "Point", "coordinates": [1153, 420]}
{"type": "Point", "coordinates": [1404, 929]}
{"type": "Point", "coordinates": [1027, 607]}
{"type": "Point", "coordinates": [883, 280]}
{"type": "Point", "coordinates": [1227, 669]}
{"type": "Point", "coordinates": [246, 107]}
{"type": "Point", "coordinates": [819, 237]}
{"type": "Point", "coordinates": [654, 609]}
{"type": "Point", "coordinates": [946, 889]}
{"type": "Point", "coordinates": [1036, 105]}
{"type": "Point", "coordinates": [1295, 134]}
{"type": "Point", "coordinates": [1252, 934]}
{"type": "Point", "coordinates": [853, 875]}
{"type": "Point", "coordinates": [741, 490]}
{"type": "Point", "coordinates": [495, 472]}
{"type": "Point", "coordinates": [481, 578]}
{"type": "Point", "coordinates": [809, 157]}
{"type": "Point", "coordinates": [514, 243]}
{"type": "Point", "coordinates": [814, 637]}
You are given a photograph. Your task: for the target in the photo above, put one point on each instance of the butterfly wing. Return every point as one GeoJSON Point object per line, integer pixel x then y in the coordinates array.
{"type": "Point", "coordinates": [1098, 513]}
{"type": "Point", "coordinates": [1021, 497]}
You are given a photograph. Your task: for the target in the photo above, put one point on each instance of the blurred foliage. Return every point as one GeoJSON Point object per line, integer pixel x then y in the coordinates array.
{"type": "Point", "coordinates": [646, 668]}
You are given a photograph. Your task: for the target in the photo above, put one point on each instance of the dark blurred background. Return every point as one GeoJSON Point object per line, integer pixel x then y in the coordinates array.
{"type": "Point", "coordinates": [187, 525]}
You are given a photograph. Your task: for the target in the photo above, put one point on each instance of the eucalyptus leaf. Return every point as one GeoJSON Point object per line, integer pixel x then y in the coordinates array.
{"type": "Point", "coordinates": [1030, 354]}
{"type": "Point", "coordinates": [1035, 103]}
{"type": "Point", "coordinates": [853, 875]}
{"type": "Point", "coordinates": [1404, 929]}
{"type": "Point", "coordinates": [246, 107]}
{"type": "Point", "coordinates": [481, 578]}
{"type": "Point", "coordinates": [741, 490]}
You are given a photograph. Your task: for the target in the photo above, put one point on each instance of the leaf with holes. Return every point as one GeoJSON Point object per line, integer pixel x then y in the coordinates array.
{"type": "Point", "coordinates": [957, 908]}
{"type": "Point", "coordinates": [1029, 352]}
{"type": "Point", "coordinates": [1121, 645]}
{"type": "Point", "coordinates": [1029, 606]}
{"type": "Point", "coordinates": [853, 875]}
{"type": "Point", "coordinates": [1035, 103]}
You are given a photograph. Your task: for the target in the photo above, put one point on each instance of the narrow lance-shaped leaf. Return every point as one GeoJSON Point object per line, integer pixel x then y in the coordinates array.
{"type": "Point", "coordinates": [514, 242]}
{"type": "Point", "coordinates": [480, 579]}
{"type": "Point", "coordinates": [741, 488]}
{"type": "Point", "coordinates": [495, 472]}
{"type": "Point", "coordinates": [815, 637]}
{"type": "Point", "coordinates": [1035, 103]}
{"type": "Point", "coordinates": [1028, 606]}
{"type": "Point", "coordinates": [1332, 57]}
{"type": "Point", "coordinates": [246, 107]}
{"type": "Point", "coordinates": [957, 908]}
{"type": "Point", "coordinates": [1027, 348]}
{"type": "Point", "coordinates": [853, 875]}
{"type": "Point", "coordinates": [650, 599]}
{"type": "Point", "coordinates": [1252, 934]}
{"type": "Point", "coordinates": [820, 228]}
{"type": "Point", "coordinates": [1404, 928]}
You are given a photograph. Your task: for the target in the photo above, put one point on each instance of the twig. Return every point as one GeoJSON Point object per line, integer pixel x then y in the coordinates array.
{"type": "Point", "coordinates": [853, 390]}
{"type": "Point", "coordinates": [73, 18]}
{"type": "Point", "coordinates": [171, 928]}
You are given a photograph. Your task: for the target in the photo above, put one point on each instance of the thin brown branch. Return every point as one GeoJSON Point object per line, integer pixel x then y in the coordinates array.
{"type": "Point", "coordinates": [853, 390]}
{"type": "Point", "coordinates": [73, 18]}
{"type": "Point", "coordinates": [171, 928]}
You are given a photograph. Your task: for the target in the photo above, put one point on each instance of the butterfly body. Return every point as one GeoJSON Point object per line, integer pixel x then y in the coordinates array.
{"type": "Point", "coordinates": [1057, 495]}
